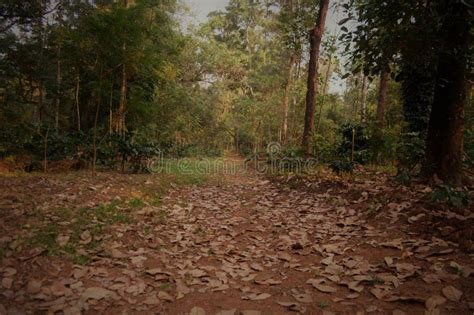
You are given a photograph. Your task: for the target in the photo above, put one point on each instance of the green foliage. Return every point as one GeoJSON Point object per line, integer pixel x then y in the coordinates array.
{"type": "Point", "coordinates": [361, 143]}
{"type": "Point", "coordinates": [137, 203]}
{"type": "Point", "coordinates": [374, 206]}
{"type": "Point", "coordinates": [288, 160]}
{"type": "Point", "coordinates": [323, 149]}
{"type": "Point", "coordinates": [452, 197]}
{"type": "Point", "coordinates": [74, 223]}
{"type": "Point", "coordinates": [410, 152]}
{"type": "Point", "coordinates": [403, 178]}
{"type": "Point", "coordinates": [59, 146]}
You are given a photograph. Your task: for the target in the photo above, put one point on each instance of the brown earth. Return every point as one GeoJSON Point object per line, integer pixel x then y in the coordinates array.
{"type": "Point", "coordinates": [137, 244]}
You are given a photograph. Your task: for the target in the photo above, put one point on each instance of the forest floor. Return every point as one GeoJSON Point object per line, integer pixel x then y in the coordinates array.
{"type": "Point", "coordinates": [230, 244]}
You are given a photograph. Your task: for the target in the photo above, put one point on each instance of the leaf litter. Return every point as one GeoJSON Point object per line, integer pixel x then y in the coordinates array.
{"type": "Point", "coordinates": [252, 245]}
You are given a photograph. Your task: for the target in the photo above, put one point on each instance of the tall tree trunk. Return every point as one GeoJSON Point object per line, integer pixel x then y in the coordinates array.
{"type": "Point", "coordinates": [39, 26]}
{"type": "Point", "coordinates": [316, 35]}
{"type": "Point", "coordinates": [123, 90]}
{"type": "Point", "coordinates": [78, 108]}
{"type": "Point", "coordinates": [122, 103]}
{"type": "Point", "coordinates": [40, 105]}
{"type": "Point", "coordinates": [58, 89]}
{"type": "Point", "coordinates": [286, 97]}
{"type": "Point", "coordinates": [327, 76]}
{"type": "Point", "coordinates": [325, 91]}
{"type": "Point", "coordinates": [381, 102]}
{"type": "Point", "coordinates": [96, 119]}
{"type": "Point", "coordinates": [111, 113]}
{"type": "Point", "coordinates": [355, 104]}
{"type": "Point", "coordinates": [363, 99]}
{"type": "Point", "coordinates": [45, 151]}
{"type": "Point", "coordinates": [296, 77]}
{"type": "Point", "coordinates": [444, 143]}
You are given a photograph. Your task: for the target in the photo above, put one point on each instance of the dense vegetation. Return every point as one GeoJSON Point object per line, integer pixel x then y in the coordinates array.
{"type": "Point", "coordinates": [108, 81]}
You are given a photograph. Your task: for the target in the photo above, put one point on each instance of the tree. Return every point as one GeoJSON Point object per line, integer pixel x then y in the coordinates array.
{"type": "Point", "coordinates": [315, 37]}
{"type": "Point", "coordinates": [444, 143]}
{"type": "Point", "coordinates": [382, 97]}
{"type": "Point", "coordinates": [433, 84]}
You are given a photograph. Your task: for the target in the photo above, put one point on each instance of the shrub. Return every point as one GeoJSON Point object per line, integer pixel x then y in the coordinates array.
{"type": "Point", "coordinates": [341, 166]}
{"type": "Point", "coordinates": [410, 152]}
{"type": "Point", "coordinates": [452, 197]}
{"type": "Point", "coordinates": [361, 143]}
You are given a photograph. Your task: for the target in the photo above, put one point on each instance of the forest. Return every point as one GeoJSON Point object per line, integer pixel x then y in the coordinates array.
{"type": "Point", "coordinates": [274, 157]}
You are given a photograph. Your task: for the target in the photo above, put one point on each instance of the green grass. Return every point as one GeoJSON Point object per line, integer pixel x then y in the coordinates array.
{"type": "Point", "coordinates": [160, 216]}
{"type": "Point", "coordinates": [165, 286]}
{"type": "Point", "coordinates": [46, 237]}
{"type": "Point", "coordinates": [81, 260]}
{"type": "Point", "coordinates": [456, 269]}
{"type": "Point", "coordinates": [323, 304]}
{"type": "Point", "coordinates": [136, 203]}
{"type": "Point", "coordinates": [99, 219]}
{"type": "Point", "coordinates": [156, 201]}
{"type": "Point", "coordinates": [95, 220]}
{"type": "Point", "coordinates": [375, 205]}
{"type": "Point", "coordinates": [193, 171]}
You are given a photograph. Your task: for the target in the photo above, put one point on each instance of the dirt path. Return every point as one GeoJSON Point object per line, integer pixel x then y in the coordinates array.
{"type": "Point", "coordinates": [244, 246]}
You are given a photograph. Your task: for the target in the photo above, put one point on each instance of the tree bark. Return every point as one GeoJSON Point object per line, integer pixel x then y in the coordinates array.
{"type": "Point", "coordinates": [381, 102]}
{"type": "Point", "coordinates": [316, 35]}
{"type": "Point", "coordinates": [58, 89]}
{"type": "Point", "coordinates": [78, 108]}
{"type": "Point", "coordinates": [111, 113]}
{"type": "Point", "coordinates": [325, 91]}
{"type": "Point", "coordinates": [327, 76]}
{"type": "Point", "coordinates": [96, 119]}
{"type": "Point", "coordinates": [363, 99]}
{"type": "Point", "coordinates": [286, 97]}
{"type": "Point", "coordinates": [45, 151]}
{"type": "Point", "coordinates": [444, 143]}
{"type": "Point", "coordinates": [122, 103]}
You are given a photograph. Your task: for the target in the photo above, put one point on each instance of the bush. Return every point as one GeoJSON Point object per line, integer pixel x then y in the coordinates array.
{"type": "Point", "coordinates": [287, 160]}
{"type": "Point", "coordinates": [410, 152]}
{"type": "Point", "coordinates": [341, 166]}
{"type": "Point", "coordinates": [323, 149]}
{"type": "Point", "coordinates": [361, 143]}
{"type": "Point", "coordinates": [193, 150]}
{"type": "Point", "coordinates": [452, 197]}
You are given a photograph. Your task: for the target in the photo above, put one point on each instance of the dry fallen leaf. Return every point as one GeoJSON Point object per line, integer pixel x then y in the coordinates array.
{"type": "Point", "coordinates": [7, 283]}
{"type": "Point", "coordinates": [227, 312]}
{"type": "Point", "coordinates": [434, 301]}
{"type": "Point", "coordinates": [33, 286]}
{"type": "Point", "coordinates": [152, 300]}
{"type": "Point", "coordinates": [98, 293]}
{"type": "Point", "coordinates": [86, 237]}
{"type": "Point", "coordinates": [319, 284]}
{"type": "Point", "coordinates": [62, 240]}
{"type": "Point", "coordinates": [292, 306]}
{"type": "Point", "coordinates": [118, 254]}
{"type": "Point", "coordinates": [257, 296]}
{"type": "Point", "coordinates": [197, 311]}
{"type": "Point", "coordinates": [303, 297]}
{"type": "Point", "coordinates": [452, 294]}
